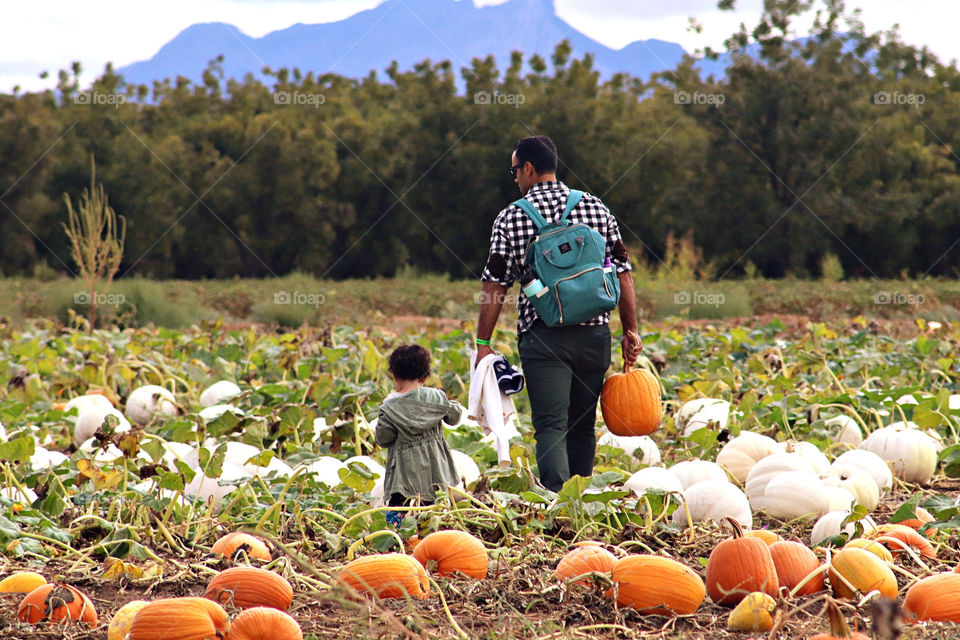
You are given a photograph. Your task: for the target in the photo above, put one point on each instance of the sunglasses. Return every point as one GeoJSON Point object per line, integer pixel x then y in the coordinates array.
{"type": "Point", "coordinates": [513, 170]}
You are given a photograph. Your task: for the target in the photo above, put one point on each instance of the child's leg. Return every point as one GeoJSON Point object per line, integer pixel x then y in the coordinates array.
{"type": "Point", "coordinates": [395, 517]}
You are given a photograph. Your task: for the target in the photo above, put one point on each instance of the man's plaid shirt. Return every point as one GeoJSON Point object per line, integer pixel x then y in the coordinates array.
{"type": "Point", "coordinates": [513, 230]}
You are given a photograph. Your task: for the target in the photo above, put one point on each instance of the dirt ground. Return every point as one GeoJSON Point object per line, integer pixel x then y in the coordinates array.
{"type": "Point", "coordinates": [520, 598]}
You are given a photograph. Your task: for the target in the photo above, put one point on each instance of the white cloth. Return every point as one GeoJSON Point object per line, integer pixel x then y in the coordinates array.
{"type": "Point", "coordinates": [491, 408]}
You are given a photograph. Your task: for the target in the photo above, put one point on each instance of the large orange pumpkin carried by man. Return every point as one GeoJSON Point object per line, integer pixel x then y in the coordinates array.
{"type": "Point", "coordinates": [631, 403]}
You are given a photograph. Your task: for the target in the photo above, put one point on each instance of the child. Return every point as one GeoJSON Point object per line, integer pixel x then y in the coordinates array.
{"type": "Point", "coordinates": [411, 427]}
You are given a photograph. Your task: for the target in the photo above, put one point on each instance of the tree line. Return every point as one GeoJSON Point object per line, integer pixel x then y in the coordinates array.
{"type": "Point", "coordinates": [844, 143]}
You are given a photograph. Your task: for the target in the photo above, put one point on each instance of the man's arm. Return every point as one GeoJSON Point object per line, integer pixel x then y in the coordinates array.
{"type": "Point", "coordinates": [491, 301]}
{"type": "Point", "coordinates": [630, 345]}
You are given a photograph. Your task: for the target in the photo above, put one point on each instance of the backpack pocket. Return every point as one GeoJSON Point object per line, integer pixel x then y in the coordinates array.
{"type": "Point", "coordinates": [587, 294]}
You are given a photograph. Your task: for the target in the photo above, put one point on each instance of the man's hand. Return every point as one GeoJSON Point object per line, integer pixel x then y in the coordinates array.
{"type": "Point", "coordinates": [630, 347]}
{"type": "Point", "coordinates": [483, 351]}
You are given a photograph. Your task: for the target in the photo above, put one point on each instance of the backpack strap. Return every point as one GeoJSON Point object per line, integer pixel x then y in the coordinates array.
{"type": "Point", "coordinates": [572, 200]}
{"type": "Point", "coordinates": [532, 212]}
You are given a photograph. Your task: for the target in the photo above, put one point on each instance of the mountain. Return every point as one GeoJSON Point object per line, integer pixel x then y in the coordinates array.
{"type": "Point", "coordinates": [407, 31]}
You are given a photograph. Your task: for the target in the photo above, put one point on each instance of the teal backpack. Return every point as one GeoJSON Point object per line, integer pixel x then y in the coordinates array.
{"type": "Point", "coordinates": [570, 261]}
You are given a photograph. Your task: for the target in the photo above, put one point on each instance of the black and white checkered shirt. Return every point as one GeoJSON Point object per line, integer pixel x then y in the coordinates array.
{"type": "Point", "coordinates": [513, 230]}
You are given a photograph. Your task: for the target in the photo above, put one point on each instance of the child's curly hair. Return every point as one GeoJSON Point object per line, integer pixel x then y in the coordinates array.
{"type": "Point", "coordinates": [410, 362]}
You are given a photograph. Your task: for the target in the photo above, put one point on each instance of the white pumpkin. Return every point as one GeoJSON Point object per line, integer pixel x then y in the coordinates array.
{"type": "Point", "coordinates": [855, 480]}
{"type": "Point", "coordinates": [870, 462]}
{"type": "Point", "coordinates": [86, 402]}
{"type": "Point", "coordinates": [173, 451]}
{"type": "Point", "coordinates": [205, 489]}
{"type": "Point", "coordinates": [26, 496]}
{"type": "Point", "coordinates": [45, 459]}
{"type": "Point", "coordinates": [653, 478]}
{"type": "Point", "coordinates": [211, 413]}
{"type": "Point", "coordinates": [792, 494]}
{"type": "Point", "coordinates": [714, 501]}
{"type": "Point", "coordinates": [325, 469]}
{"type": "Point", "coordinates": [831, 524]}
{"type": "Point", "coordinates": [769, 468]}
{"type": "Point", "coordinates": [376, 494]}
{"type": "Point", "coordinates": [147, 401]}
{"type": "Point", "coordinates": [238, 454]}
{"type": "Point", "coordinates": [645, 446]}
{"type": "Point", "coordinates": [954, 402]}
{"type": "Point", "coordinates": [700, 413]}
{"type": "Point", "coordinates": [845, 429]}
{"type": "Point", "coordinates": [838, 499]}
{"type": "Point", "coordinates": [219, 393]}
{"type": "Point", "coordinates": [690, 472]}
{"type": "Point", "coordinates": [467, 469]}
{"type": "Point", "coordinates": [92, 419]}
{"type": "Point", "coordinates": [740, 454]}
{"type": "Point", "coordinates": [809, 452]}
{"type": "Point", "coordinates": [912, 454]}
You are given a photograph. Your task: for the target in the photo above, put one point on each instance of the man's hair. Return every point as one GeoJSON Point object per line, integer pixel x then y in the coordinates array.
{"type": "Point", "coordinates": [538, 151]}
{"type": "Point", "coordinates": [410, 362]}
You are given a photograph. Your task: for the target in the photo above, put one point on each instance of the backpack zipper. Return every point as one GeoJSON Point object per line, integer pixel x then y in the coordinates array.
{"type": "Point", "coordinates": [556, 287]}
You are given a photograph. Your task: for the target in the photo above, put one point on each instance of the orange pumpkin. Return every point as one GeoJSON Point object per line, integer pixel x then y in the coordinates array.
{"type": "Point", "coordinates": [389, 575]}
{"type": "Point", "coordinates": [183, 618]}
{"type": "Point", "coordinates": [739, 566]}
{"type": "Point", "coordinates": [453, 551]}
{"type": "Point", "coordinates": [896, 537]}
{"type": "Point", "coordinates": [264, 623]}
{"type": "Point", "coordinates": [922, 517]}
{"type": "Point", "coordinates": [232, 543]}
{"type": "Point", "coordinates": [55, 603]}
{"type": "Point", "coordinates": [839, 630]}
{"type": "Point", "coordinates": [245, 587]}
{"type": "Point", "coordinates": [585, 559]}
{"type": "Point", "coordinates": [657, 585]}
{"type": "Point", "coordinates": [769, 537]}
{"type": "Point", "coordinates": [794, 562]}
{"type": "Point", "coordinates": [936, 597]}
{"type": "Point", "coordinates": [631, 403]}
{"type": "Point", "coordinates": [863, 571]}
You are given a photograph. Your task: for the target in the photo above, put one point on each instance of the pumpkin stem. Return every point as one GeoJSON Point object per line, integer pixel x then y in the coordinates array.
{"type": "Point", "coordinates": [838, 624]}
{"type": "Point", "coordinates": [737, 529]}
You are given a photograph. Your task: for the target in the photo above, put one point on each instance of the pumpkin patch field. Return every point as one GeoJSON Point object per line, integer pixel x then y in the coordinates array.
{"type": "Point", "coordinates": [795, 480]}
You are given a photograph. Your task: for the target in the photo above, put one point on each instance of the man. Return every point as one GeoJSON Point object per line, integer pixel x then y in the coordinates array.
{"type": "Point", "coordinates": [564, 367]}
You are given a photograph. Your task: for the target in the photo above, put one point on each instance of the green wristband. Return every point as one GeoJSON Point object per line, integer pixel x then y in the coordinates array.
{"type": "Point", "coordinates": [485, 343]}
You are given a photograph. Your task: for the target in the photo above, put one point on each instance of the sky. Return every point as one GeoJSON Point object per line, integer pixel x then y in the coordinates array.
{"type": "Point", "coordinates": [50, 34]}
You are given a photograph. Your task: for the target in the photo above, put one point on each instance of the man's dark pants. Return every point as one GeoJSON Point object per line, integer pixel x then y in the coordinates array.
{"type": "Point", "coordinates": [564, 368]}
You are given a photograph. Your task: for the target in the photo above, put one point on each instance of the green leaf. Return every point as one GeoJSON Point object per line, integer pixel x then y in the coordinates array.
{"type": "Point", "coordinates": [53, 504]}
{"type": "Point", "coordinates": [18, 449]}
{"type": "Point", "coordinates": [601, 480]}
{"type": "Point", "coordinates": [908, 510]}
{"type": "Point", "coordinates": [941, 507]}
{"type": "Point", "coordinates": [154, 449]}
{"type": "Point", "coordinates": [951, 459]}
{"type": "Point", "coordinates": [8, 528]}
{"type": "Point", "coordinates": [170, 480]}
{"type": "Point", "coordinates": [605, 496]}
{"type": "Point", "coordinates": [533, 498]}
{"type": "Point", "coordinates": [572, 490]}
